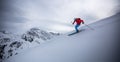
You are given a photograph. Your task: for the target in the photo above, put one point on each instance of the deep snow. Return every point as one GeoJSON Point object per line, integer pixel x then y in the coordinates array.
{"type": "Point", "coordinates": [99, 45]}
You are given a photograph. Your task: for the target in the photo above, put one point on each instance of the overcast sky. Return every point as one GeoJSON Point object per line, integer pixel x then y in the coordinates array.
{"type": "Point", "coordinates": [52, 15]}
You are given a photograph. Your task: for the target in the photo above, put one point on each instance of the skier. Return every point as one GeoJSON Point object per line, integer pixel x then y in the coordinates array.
{"type": "Point", "coordinates": [78, 22]}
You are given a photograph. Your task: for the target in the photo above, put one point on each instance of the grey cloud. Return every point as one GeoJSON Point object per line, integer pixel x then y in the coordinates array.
{"type": "Point", "coordinates": [20, 11]}
{"type": "Point", "coordinates": [10, 14]}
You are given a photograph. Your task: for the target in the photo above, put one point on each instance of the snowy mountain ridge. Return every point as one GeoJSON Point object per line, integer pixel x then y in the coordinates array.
{"type": "Point", "coordinates": [11, 44]}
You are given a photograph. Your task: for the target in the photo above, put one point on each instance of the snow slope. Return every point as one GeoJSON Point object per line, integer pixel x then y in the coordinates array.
{"type": "Point", "coordinates": [99, 45]}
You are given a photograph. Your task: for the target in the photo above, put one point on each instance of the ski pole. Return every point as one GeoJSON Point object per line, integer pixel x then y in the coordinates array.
{"type": "Point", "coordinates": [89, 26]}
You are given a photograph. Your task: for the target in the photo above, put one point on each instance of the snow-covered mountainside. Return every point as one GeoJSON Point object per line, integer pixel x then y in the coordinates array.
{"type": "Point", "coordinates": [34, 34]}
{"type": "Point", "coordinates": [99, 45]}
{"type": "Point", "coordinates": [11, 44]}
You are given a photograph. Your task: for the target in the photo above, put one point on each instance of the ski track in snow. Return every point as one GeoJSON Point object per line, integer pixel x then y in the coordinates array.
{"type": "Point", "coordinates": [99, 45]}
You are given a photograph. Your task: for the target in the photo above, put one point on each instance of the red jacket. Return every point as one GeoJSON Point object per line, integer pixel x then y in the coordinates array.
{"type": "Point", "coordinates": [78, 21]}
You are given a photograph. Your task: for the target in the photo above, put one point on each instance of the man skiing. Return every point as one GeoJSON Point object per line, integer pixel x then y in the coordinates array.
{"type": "Point", "coordinates": [78, 22]}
